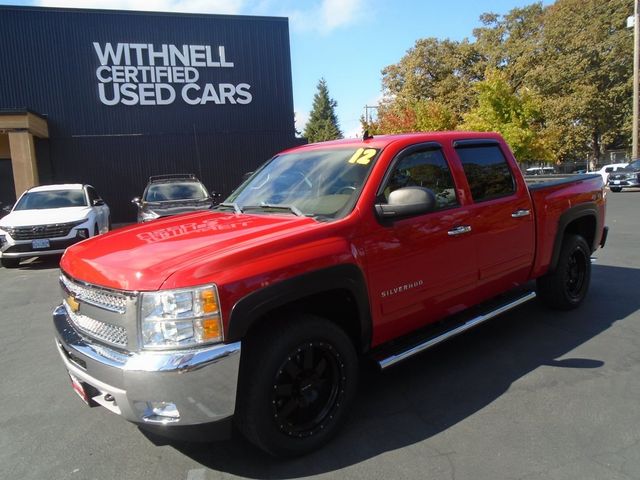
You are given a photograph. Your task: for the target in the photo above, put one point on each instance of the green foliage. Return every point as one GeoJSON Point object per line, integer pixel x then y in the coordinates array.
{"type": "Point", "coordinates": [587, 53]}
{"type": "Point", "coordinates": [323, 122]}
{"type": "Point", "coordinates": [516, 115]}
{"type": "Point", "coordinates": [556, 80]}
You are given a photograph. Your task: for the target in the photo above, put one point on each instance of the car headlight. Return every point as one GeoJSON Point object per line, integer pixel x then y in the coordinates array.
{"type": "Point", "coordinates": [147, 215]}
{"type": "Point", "coordinates": [180, 318]}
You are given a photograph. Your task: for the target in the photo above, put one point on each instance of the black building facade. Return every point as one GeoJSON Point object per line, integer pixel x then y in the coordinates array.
{"type": "Point", "coordinates": [110, 98]}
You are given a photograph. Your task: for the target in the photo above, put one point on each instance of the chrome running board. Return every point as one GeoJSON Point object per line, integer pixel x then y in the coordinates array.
{"type": "Point", "coordinates": [433, 341]}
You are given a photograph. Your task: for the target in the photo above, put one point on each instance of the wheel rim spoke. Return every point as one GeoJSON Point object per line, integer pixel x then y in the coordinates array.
{"type": "Point", "coordinates": [284, 390]}
{"type": "Point", "coordinates": [307, 359]}
{"type": "Point", "coordinates": [288, 408]}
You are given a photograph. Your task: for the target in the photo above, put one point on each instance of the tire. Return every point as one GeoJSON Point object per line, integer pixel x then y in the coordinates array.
{"type": "Point", "coordinates": [298, 379]}
{"type": "Point", "coordinates": [9, 262]}
{"type": "Point", "coordinates": [615, 189]}
{"type": "Point", "coordinates": [566, 287]}
{"type": "Point", "coordinates": [96, 230]}
{"type": "Point", "coordinates": [109, 225]}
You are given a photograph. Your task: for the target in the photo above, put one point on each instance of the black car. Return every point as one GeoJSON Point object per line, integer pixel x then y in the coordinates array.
{"type": "Point", "coordinates": [167, 195]}
{"type": "Point", "coordinates": [626, 177]}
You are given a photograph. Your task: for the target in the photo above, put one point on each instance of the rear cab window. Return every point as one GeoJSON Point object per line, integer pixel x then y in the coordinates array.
{"type": "Point", "coordinates": [486, 168]}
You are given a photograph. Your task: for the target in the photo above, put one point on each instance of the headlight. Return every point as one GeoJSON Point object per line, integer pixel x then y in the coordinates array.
{"type": "Point", "coordinates": [180, 318]}
{"type": "Point", "coordinates": [147, 215]}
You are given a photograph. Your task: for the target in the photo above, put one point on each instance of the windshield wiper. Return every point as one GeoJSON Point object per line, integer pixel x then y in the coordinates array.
{"type": "Point", "coordinates": [234, 205]}
{"type": "Point", "coordinates": [273, 206]}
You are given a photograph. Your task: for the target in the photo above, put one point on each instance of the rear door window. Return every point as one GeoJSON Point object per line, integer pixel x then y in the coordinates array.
{"type": "Point", "coordinates": [487, 171]}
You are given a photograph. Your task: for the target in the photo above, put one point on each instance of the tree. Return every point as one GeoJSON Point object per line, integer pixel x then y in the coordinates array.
{"type": "Point", "coordinates": [442, 71]}
{"type": "Point", "coordinates": [419, 116]}
{"type": "Point", "coordinates": [565, 75]}
{"type": "Point", "coordinates": [323, 122]}
{"type": "Point", "coordinates": [586, 81]}
{"type": "Point", "coordinates": [516, 115]}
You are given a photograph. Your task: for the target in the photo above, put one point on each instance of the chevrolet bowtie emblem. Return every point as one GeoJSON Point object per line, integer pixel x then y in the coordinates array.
{"type": "Point", "coordinates": [73, 304]}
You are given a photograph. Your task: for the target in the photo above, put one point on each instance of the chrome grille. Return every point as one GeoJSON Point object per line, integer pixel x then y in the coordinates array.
{"type": "Point", "coordinates": [105, 332]}
{"type": "Point", "coordinates": [109, 300]}
{"type": "Point", "coordinates": [34, 232]}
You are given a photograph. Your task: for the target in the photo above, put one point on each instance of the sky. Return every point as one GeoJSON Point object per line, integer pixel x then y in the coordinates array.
{"type": "Point", "coordinates": [346, 42]}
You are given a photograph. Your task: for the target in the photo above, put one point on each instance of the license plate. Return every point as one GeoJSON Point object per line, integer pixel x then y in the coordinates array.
{"type": "Point", "coordinates": [40, 243]}
{"type": "Point", "coordinates": [79, 389]}
{"type": "Point", "coordinates": [616, 182]}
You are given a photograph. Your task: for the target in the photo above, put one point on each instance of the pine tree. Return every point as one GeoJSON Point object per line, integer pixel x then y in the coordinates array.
{"type": "Point", "coordinates": [323, 123]}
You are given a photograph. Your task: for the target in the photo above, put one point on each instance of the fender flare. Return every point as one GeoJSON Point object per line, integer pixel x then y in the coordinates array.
{"type": "Point", "coordinates": [255, 305]}
{"type": "Point", "coordinates": [574, 213]}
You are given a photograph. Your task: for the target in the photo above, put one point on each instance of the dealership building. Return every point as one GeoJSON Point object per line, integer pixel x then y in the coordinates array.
{"type": "Point", "coordinates": [110, 98]}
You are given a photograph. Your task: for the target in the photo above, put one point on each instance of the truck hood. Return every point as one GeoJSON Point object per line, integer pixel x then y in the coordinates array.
{"type": "Point", "coordinates": [46, 216]}
{"type": "Point", "coordinates": [143, 256]}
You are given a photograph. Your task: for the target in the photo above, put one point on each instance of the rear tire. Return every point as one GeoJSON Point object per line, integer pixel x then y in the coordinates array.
{"type": "Point", "coordinates": [566, 287]}
{"type": "Point", "coordinates": [298, 379]}
{"type": "Point", "coordinates": [9, 262]}
{"type": "Point", "coordinates": [615, 189]}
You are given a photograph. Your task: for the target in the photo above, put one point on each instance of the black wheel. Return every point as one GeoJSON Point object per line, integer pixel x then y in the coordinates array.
{"type": "Point", "coordinates": [298, 379]}
{"type": "Point", "coordinates": [96, 230]}
{"type": "Point", "coordinates": [109, 225]}
{"type": "Point", "coordinates": [9, 262]}
{"type": "Point", "coordinates": [566, 287]}
{"type": "Point", "coordinates": [615, 189]}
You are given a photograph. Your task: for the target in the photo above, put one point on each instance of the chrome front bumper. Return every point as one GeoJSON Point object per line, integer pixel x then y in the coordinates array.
{"type": "Point", "coordinates": [187, 387]}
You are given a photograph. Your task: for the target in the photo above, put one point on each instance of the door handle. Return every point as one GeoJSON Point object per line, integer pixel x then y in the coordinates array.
{"type": "Point", "coordinates": [521, 213]}
{"type": "Point", "coordinates": [459, 230]}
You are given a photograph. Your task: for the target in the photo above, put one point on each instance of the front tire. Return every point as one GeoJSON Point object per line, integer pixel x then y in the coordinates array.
{"type": "Point", "coordinates": [566, 287]}
{"type": "Point", "coordinates": [9, 262]}
{"type": "Point", "coordinates": [298, 380]}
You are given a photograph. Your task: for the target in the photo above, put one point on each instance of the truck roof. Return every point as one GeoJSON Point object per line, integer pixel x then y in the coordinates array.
{"type": "Point", "coordinates": [381, 141]}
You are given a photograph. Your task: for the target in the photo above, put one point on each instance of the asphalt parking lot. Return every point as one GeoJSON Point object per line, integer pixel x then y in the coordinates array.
{"type": "Point", "coordinates": [532, 395]}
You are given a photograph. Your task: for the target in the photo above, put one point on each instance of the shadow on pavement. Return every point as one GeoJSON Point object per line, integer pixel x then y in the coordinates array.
{"type": "Point", "coordinates": [434, 391]}
{"type": "Point", "coordinates": [46, 262]}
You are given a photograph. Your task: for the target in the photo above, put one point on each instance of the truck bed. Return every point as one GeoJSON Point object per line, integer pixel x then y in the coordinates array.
{"type": "Point", "coordinates": [558, 200]}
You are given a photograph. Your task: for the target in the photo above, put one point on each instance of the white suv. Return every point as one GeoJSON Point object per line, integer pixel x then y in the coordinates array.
{"type": "Point", "coordinates": [46, 220]}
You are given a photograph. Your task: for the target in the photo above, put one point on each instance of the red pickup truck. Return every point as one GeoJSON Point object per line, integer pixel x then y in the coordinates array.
{"type": "Point", "coordinates": [261, 308]}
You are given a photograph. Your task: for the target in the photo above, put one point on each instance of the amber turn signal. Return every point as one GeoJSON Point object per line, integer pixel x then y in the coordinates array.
{"type": "Point", "coordinates": [209, 301]}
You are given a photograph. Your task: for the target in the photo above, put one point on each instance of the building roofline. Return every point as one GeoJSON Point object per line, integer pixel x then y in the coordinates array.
{"type": "Point", "coordinates": [143, 12]}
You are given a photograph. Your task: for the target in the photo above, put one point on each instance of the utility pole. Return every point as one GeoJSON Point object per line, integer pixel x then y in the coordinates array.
{"type": "Point", "coordinates": [368, 118]}
{"type": "Point", "coordinates": [636, 68]}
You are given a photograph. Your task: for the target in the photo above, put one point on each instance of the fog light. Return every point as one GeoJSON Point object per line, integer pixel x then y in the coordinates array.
{"type": "Point", "coordinates": [82, 233]}
{"type": "Point", "coordinates": [158, 412]}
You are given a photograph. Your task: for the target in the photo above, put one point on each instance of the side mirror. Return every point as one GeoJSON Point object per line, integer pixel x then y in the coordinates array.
{"type": "Point", "coordinates": [407, 201]}
{"type": "Point", "coordinates": [98, 202]}
{"type": "Point", "coordinates": [136, 201]}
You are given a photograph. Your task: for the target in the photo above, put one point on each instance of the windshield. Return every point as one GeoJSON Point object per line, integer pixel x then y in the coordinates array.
{"type": "Point", "coordinates": [313, 182]}
{"type": "Point", "coordinates": [51, 199]}
{"type": "Point", "coordinates": [162, 192]}
{"type": "Point", "coordinates": [633, 166]}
